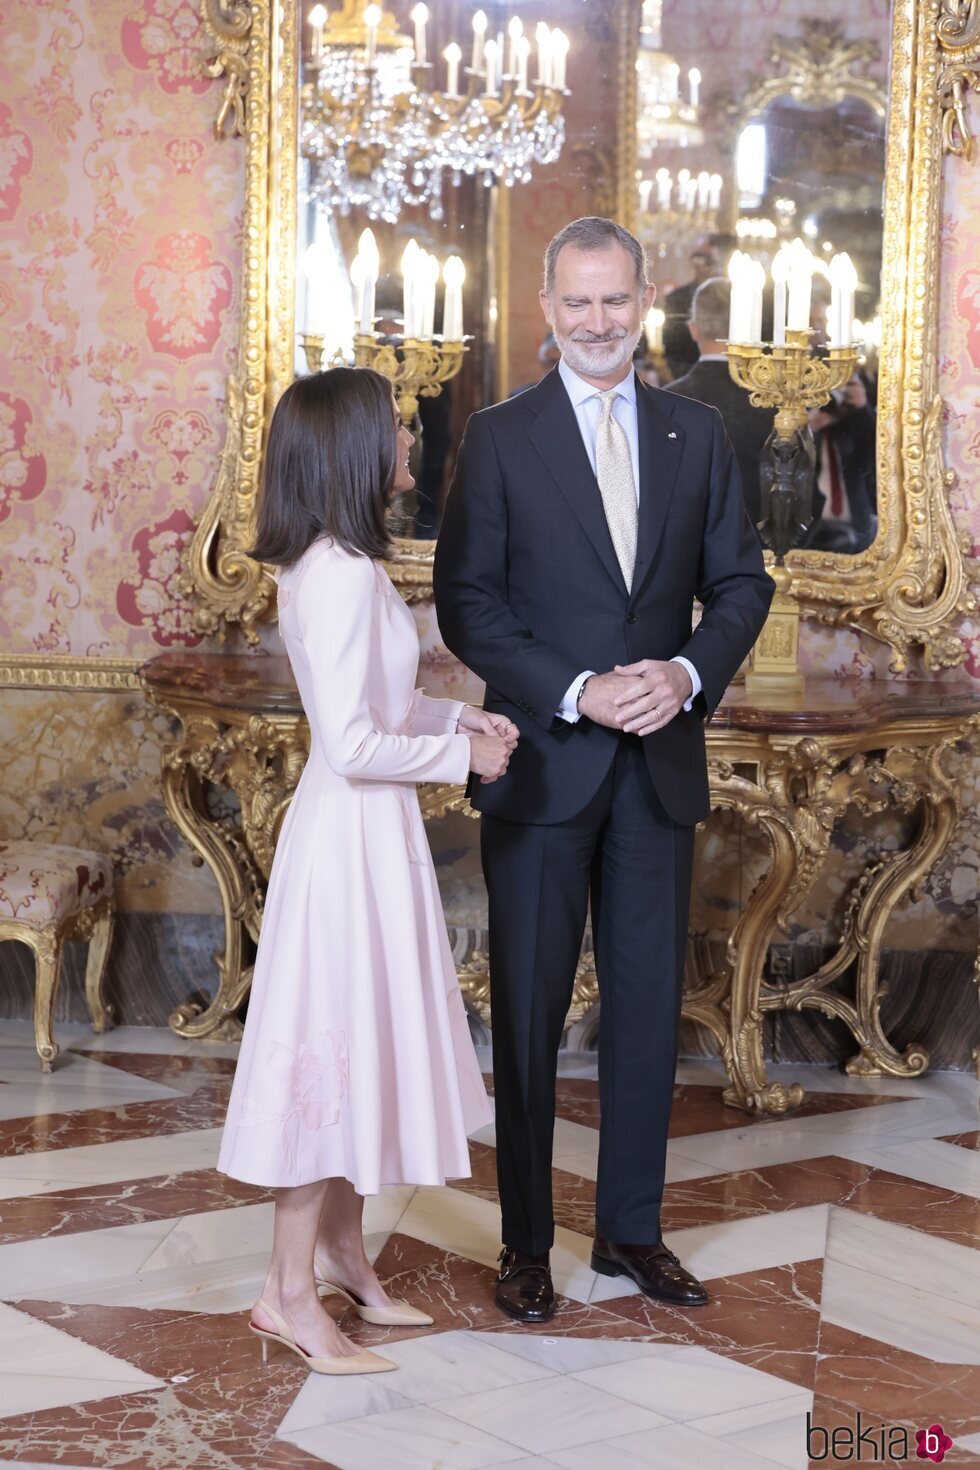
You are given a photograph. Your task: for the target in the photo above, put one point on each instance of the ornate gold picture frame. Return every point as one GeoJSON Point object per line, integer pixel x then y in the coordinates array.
{"type": "Point", "coordinates": [911, 587]}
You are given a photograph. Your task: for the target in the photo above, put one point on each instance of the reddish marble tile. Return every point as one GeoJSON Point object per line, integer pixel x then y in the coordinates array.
{"type": "Point", "coordinates": [130, 1203]}
{"type": "Point", "coordinates": [964, 1140]}
{"type": "Point", "coordinates": [206, 1108]}
{"type": "Point", "coordinates": [923, 1207]}
{"type": "Point", "coordinates": [828, 1180]}
{"type": "Point", "coordinates": [185, 1072]}
{"type": "Point", "coordinates": [220, 1406]}
{"type": "Point", "coordinates": [698, 1108]}
{"type": "Point", "coordinates": [766, 1319]}
{"type": "Point", "coordinates": [884, 1381]}
{"type": "Point", "coordinates": [150, 1431]}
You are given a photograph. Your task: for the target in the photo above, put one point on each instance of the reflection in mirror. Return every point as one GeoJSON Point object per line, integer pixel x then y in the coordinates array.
{"type": "Point", "coordinates": [771, 129]}
{"type": "Point", "coordinates": [797, 155]}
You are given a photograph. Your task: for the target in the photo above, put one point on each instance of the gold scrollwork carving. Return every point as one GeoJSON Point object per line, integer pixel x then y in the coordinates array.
{"type": "Point", "coordinates": [230, 25]}
{"type": "Point", "coordinates": [958, 30]}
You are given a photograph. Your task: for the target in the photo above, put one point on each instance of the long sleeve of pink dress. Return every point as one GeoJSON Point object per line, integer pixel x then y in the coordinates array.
{"type": "Point", "coordinates": [356, 1059]}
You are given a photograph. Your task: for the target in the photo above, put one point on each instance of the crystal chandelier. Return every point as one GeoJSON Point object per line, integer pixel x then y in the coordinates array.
{"type": "Point", "coordinates": [378, 137]}
{"type": "Point", "coordinates": [662, 114]}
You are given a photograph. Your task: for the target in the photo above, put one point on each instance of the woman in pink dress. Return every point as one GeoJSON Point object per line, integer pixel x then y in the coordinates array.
{"type": "Point", "coordinates": [356, 1067]}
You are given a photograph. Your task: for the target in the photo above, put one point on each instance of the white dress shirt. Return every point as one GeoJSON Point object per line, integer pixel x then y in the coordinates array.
{"type": "Point", "coordinates": [586, 403]}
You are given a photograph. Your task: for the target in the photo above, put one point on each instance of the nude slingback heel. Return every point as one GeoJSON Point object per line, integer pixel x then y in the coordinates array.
{"type": "Point", "coordinates": [362, 1362]}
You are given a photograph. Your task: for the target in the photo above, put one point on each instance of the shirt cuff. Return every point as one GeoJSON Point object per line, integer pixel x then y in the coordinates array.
{"type": "Point", "coordinates": [568, 709]}
{"type": "Point", "coordinates": [695, 678]}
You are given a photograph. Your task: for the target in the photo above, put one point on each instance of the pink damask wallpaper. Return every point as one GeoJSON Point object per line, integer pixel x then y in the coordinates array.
{"type": "Point", "coordinates": [119, 223]}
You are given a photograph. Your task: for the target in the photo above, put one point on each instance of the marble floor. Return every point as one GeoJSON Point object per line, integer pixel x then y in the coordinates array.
{"type": "Point", "coordinates": [841, 1247]}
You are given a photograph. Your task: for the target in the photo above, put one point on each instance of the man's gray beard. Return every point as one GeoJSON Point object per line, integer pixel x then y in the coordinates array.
{"type": "Point", "coordinates": [590, 363]}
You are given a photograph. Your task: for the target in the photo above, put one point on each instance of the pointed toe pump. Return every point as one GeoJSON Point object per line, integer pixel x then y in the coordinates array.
{"type": "Point", "coordinates": [395, 1314]}
{"type": "Point", "coordinates": [362, 1362]}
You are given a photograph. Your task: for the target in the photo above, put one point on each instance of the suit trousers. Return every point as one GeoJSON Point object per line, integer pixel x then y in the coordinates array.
{"type": "Point", "coordinates": [625, 853]}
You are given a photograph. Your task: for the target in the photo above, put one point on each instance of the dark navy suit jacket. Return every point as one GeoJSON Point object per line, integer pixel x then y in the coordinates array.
{"type": "Point", "coordinates": [529, 592]}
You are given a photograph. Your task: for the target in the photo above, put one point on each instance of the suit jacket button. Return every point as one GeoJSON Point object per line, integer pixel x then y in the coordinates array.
{"type": "Point", "coordinates": [631, 617]}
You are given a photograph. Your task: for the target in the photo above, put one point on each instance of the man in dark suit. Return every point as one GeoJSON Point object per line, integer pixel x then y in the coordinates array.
{"type": "Point", "coordinates": [680, 348]}
{"type": "Point", "coordinates": [585, 517]}
{"type": "Point", "coordinates": [709, 381]}
{"type": "Point", "coordinates": [845, 501]}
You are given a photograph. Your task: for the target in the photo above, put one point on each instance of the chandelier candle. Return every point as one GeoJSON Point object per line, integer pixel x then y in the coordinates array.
{"type": "Point", "coordinates": [420, 15]}
{"type": "Point", "coordinates": [479, 40]}
{"type": "Point", "coordinates": [453, 273]}
{"type": "Point", "coordinates": [453, 56]}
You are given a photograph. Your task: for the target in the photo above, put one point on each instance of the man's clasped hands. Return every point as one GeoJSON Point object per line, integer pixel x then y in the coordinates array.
{"type": "Point", "coordinates": [636, 698]}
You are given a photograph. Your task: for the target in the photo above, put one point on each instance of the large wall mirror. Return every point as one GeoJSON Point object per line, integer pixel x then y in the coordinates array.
{"type": "Point", "coordinates": [699, 123]}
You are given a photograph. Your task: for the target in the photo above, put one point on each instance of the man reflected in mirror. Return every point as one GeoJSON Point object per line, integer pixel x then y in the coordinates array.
{"type": "Point", "coordinates": [709, 381]}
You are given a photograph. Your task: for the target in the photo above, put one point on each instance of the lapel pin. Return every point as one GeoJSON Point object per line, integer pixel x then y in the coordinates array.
{"type": "Point", "coordinates": [671, 435]}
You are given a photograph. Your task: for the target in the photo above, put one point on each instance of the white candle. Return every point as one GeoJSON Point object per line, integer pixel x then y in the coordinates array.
{"type": "Point", "coordinates": [653, 326]}
{"type": "Point", "coordinates": [714, 193]}
{"type": "Point", "coordinates": [523, 53]}
{"type": "Point", "coordinates": [367, 253]}
{"type": "Point", "coordinates": [542, 35]}
{"type": "Point", "coordinates": [646, 186]}
{"type": "Point", "coordinates": [318, 16]}
{"type": "Point", "coordinates": [454, 274]}
{"type": "Point", "coordinates": [758, 284]}
{"type": "Point", "coordinates": [479, 36]}
{"type": "Point", "coordinates": [357, 281]}
{"type": "Point", "coordinates": [664, 185]}
{"type": "Point", "coordinates": [409, 261]}
{"type": "Point", "coordinates": [704, 187]}
{"type": "Point", "coordinates": [490, 59]}
{"type": "Point", "coordinates": [674, 82]}
{"type": "Point", "coordinates": [316, 268]}
{"type": "Point", "coordinates": [835, 324]}
{"type": "Point", "coordinates": [453, 56]}
{"type": "Point", "coordinates": [848, 287]}
{"type": "Point", "coordinates": [560, 44]}
{"type": "Point", "coordinates": [515, 31]}
{"type": "Point", "coordinates": [419, 292]}
{"type": "Point", "coordinates": [431, 279]}
{"type": "Point", "coordinates": [372, 19]}
{"type": "Point", "coordinates": [420, 15]}
{"type": "Point", "coordinates": [694, 81]}
{"type": "Point", "coordinates": [800, 283]}
{"type": "Point", "coordinates": [739, 307]}
{"type": "Point", "coordinates": [780, 275]}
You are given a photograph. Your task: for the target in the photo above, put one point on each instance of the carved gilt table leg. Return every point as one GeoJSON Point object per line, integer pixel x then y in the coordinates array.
{"type": "Point", "coordinates": [185, 767]}
{"type": "Point", "coordinates": [938, 815]}
{"type": "Point", "coordinates": [748, 949]}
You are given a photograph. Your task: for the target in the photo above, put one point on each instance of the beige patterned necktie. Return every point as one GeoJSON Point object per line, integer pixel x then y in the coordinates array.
{"type": "Point", "coordinates": [614, 471]}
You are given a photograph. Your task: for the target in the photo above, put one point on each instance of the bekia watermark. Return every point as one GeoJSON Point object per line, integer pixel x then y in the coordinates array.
{"type": "Point", "coordinates": [875, 1444]}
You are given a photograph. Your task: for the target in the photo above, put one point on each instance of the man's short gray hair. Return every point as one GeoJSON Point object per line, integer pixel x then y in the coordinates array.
{"type": "Point", "coordinates": [592, 232]}
{"type": "Point", "coordinates": [710, 307]}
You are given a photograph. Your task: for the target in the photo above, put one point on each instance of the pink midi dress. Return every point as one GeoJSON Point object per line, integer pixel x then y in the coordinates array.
{"type": "Point", "coordinates": [356, 1060]}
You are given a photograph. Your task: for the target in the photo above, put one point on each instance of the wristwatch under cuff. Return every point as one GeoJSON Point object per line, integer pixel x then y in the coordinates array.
{"type": "Point", "coordinates": [581, 691]}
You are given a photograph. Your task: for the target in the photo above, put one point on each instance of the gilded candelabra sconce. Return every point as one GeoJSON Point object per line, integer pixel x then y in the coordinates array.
{"type": "Point", "coordinates": [789, 375]}
{"type": "Point", "coordinates": [418, 362]}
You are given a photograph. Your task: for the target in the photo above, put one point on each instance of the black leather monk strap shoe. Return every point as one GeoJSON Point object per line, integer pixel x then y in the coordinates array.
{"type": "Point", "coordinates": [654, 1268]}
{"type": "Point", "coordinates": [524, 1288]}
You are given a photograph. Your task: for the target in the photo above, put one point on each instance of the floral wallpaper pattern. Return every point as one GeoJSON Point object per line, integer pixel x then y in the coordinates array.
{"type": "Point", "coordinates": [120, 244]}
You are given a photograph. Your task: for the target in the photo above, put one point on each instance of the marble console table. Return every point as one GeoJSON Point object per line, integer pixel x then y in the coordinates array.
{"type": "Point", "coordinates": [790, 769]}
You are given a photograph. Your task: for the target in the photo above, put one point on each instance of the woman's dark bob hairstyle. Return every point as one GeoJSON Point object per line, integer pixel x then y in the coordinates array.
{"type": "Point", "coordinates": [329, 466]}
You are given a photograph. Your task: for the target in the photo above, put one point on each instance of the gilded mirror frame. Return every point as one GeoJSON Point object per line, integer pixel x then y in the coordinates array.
{"type": "Point", "coordinates": [909, 589]}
